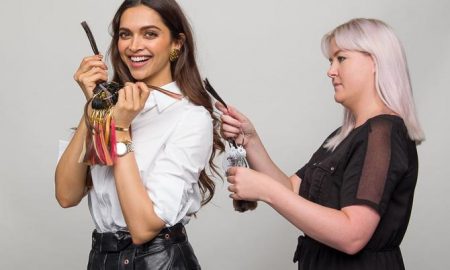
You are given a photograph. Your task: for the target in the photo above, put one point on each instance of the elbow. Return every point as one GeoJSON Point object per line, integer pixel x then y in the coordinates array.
{"type": "Point", "coordinates": [141, 234]}
{"type": "Point", "coordinates": [142, 237]}
{"type": "Point", "coordinates": [137, 240]}
{"type": "Point", "coordinates": [353, 247]}
{"type": "Point", "coordinates": [65, 202]}
{"type": "Point", "coordinates": [67, 196]}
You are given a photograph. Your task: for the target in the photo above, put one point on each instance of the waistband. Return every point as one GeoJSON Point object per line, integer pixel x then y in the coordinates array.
{"type": "Point", "coordinates": [120, 240]}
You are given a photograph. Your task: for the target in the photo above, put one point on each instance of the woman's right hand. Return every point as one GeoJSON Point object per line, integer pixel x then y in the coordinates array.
{"type": "Point", "coordinates": [131, 101]}
{"type": "Point", "coordinates": [91, 71]}
{"type": "Point", "coordinates": [235, 125]}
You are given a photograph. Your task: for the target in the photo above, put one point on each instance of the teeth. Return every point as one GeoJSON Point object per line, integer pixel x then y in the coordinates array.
{"type": "Point", "coordinates": [139, 58]}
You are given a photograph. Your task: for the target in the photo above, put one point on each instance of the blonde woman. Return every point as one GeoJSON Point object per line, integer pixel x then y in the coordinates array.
{"type": "Point", "coordinates": [353, 199]}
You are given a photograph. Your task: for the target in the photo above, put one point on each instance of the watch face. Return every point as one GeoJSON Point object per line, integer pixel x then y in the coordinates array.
{"type": "Point", "coordinates": [121, 148]}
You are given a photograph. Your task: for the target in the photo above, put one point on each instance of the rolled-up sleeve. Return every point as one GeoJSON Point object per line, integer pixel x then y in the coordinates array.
{"type": "Point", "coordinates": [172, 182]}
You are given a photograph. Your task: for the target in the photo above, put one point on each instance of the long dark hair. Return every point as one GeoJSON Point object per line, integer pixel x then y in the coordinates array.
{"type": "Point", "coordinates": [184, 71]}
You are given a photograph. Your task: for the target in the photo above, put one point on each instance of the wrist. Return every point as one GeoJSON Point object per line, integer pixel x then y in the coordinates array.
{"type": "Point", "coordinates": [124, 147]}
{"type": "Point", "coordinates": [122, 133]}
{"type": "Point", "coordinates": [122, 129]}
{"type": "Point", "coordinates": [271, 191]}
{"type": "Point", "coordinates": [123, 136]}
{"type": "Point", "coordinates": [252, 141]}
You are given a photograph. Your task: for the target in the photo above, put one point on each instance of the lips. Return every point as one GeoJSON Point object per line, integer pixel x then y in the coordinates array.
{"type": "Point", "coordinates": [335, 84]}
{"type": "Point", "coordinates": [139, 58]}
{"type": "Point", "coordinates": [137, 61]}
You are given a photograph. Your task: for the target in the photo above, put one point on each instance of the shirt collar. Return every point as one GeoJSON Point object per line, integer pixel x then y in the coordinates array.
{"type": "Point", "coordinates": [160, 100]}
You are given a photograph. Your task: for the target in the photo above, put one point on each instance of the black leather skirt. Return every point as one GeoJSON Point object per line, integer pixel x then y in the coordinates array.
{"type": "Point", "coordinates": [169, 250]}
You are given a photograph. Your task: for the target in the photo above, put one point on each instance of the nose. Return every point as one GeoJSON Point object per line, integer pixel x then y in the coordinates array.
{"type": "Point", "coordinates": [332, 71]}
{"type": "Point", "coordinates": [136, 44]}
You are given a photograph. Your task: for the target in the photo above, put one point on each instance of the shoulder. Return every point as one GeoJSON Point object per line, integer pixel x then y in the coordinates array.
{"type": "Point", "coordinates": [381, 126]}
{"type": "Point", "coordinates": [199, 113]}
{"type": "Point", "coordinates": [379, 134]}
{"type": "Point", "coordinates": [385, 121]}
{"type": "Point", "coordinates": [384, 135]}
{"type": "Point", "coordinates": [195, 117]}
{"type": "Point", "coordinates": [389, 127]}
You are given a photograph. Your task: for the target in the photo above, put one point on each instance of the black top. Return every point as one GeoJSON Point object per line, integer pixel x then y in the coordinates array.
{"type": "Point", "coordinates": [376, 165]}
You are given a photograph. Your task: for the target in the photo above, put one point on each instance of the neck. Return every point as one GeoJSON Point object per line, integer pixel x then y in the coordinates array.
{"type": "Point", "coordinates": [163, 77]}
{"type": "Point", "coordinates": [159, 81]}
{"type": "Point", "coordinates": [371, 108]}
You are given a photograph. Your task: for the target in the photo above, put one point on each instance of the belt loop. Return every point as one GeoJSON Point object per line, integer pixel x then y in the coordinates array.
{"type": "Point", "coordinates": [101, 242]}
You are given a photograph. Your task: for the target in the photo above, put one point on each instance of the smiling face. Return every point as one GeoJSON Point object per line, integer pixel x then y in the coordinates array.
{"type": "Point", "coordinates": [353, 76]}
{"type": "Point", "coordinates": [144, 45]}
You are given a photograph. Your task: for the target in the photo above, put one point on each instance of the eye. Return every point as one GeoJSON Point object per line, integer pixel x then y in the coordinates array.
{"type": "Point", "coordinates": [124, 35]}
{"type": "Point", "coordinates": [341, 59]}
{"type": "Point", "coordinates": [151, 34]}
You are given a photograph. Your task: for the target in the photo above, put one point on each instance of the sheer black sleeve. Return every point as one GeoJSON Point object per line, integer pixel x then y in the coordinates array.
{"type": "Point", "coordinates": [375, 166]}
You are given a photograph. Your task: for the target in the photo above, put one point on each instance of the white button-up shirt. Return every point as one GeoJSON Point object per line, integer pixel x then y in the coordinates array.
{"type": "Point", "coordinates": [173, 143]}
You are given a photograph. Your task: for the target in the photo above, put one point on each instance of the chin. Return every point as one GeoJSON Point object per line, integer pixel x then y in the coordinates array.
{"type": "Point", "coordinates": [338, 99]}
{"type": "Point", "coordinates": [139, 76]}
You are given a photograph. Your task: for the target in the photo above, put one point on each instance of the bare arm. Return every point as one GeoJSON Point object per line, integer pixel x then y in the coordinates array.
{"type": "Point", "coordinates": [296, 183]}
{"type": "Point", "coordinates": [70, 174]}
{"type": "Point", "coordinates": [260, 161]}
{"type": "Point", "coordinates": [136, 205]}
{"type": "Point", "coordinates": [137, 208]}
{"type": "Point", "coordinates": [347, 229]}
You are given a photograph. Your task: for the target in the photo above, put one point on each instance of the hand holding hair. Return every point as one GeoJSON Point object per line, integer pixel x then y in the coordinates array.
{"type": "Point", "coordinates": [131, 101]}
{"type": "Point", "coordinates": [249, 185]}
{"type": "Point", "coordinates": [234, 134]}
{"type": "Point", "coordinates": [235, 125]}
{"type": "Point", "coordinates": [91, 71]}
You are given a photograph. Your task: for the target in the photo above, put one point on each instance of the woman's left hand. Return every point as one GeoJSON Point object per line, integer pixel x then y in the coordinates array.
{"type": "Point", "coordinates": [247, 184]}
{"type": "Point", "coordinates": [132, 98]}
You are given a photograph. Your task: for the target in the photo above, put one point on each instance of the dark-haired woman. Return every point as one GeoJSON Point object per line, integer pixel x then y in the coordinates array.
{"type": "Point", "coordinates": [141, 204]}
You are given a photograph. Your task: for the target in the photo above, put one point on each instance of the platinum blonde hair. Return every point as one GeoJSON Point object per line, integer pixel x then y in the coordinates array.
{"type": "Point", "coordinates": [392, 76]}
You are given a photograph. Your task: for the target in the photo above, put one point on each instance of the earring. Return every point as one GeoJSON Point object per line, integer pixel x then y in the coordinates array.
{"type": "Point", "coordinates": [173, 55]}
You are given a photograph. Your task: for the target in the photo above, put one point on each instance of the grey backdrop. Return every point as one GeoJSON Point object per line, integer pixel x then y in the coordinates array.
{"type": "Point", "coordinates": [264, 57]}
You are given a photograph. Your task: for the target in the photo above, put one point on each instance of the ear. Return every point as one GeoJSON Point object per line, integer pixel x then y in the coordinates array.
{"type": "Point", "coordinates": [179, 41]}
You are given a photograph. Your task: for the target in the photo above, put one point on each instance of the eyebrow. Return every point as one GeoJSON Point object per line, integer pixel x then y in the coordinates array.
{"type": "Point", "coordinates": [334, 54]}
{"type": "Point", "coordinates": [143, 28]}
{"type": "Point", "coordinates": [337, 52]}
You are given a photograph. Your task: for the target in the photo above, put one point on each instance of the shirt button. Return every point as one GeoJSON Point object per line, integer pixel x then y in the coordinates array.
{"type": "Point", "coordinates": [126, 261]}
{"type": "Point", "coordinates": [332, 168]}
